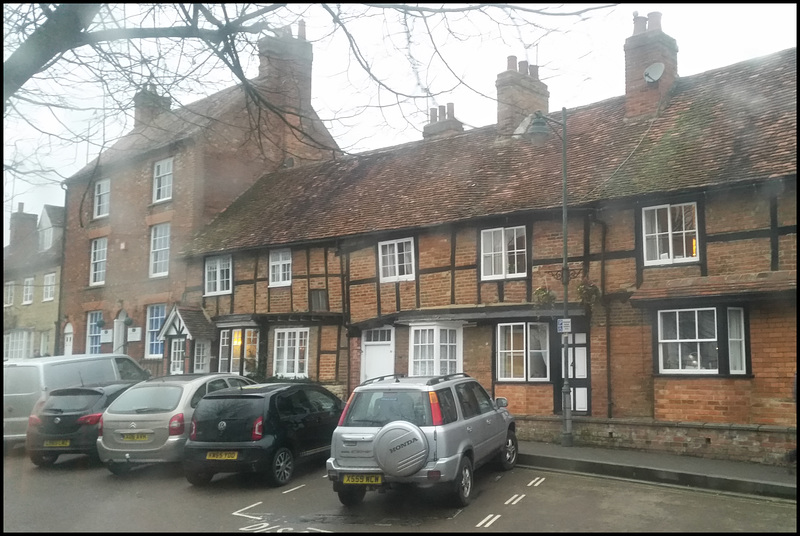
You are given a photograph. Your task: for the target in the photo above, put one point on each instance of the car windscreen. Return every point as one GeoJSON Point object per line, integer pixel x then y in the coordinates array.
{"type": "Point", "coordinates": [229, 407]}
{"type": "Point", "coordinates": [74, 373]}
{"type": "Point", "coordinates": [71, 400]}
{"type": "Point", "coordinates": [147, 399]}
{"type": "Point", "coordinates": [378, 407]}
{"type": "Point", "coordinates": [20, 380]}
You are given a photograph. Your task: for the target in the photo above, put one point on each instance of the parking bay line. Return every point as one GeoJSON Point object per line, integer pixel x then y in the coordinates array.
{"type": "Point", "coordinates": [294, 489]}
{"type": "Point", "coordinates": [487, 521]}
{"type": "Point", "coordinates": [536, 481]}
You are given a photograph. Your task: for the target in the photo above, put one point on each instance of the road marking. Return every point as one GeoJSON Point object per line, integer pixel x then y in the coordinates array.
{"type": "Point", "coordinates": [515, 499]}
{"type": "Point", "coordinates": [487, 521]}
{"type": "Point", "coordinates": [536, 481]}
{"type": "Point", "coordinates": [293, 489]}
{"type": "Point", "coordinates": [238, 512]}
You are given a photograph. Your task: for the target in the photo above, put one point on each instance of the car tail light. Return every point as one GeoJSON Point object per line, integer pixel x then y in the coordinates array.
{"type": "Point", "coordinates": [34, 420]}
{"type": "Point", "coordinates": [100, 427]}
{"type": "Point", "coordinates": [90, 420]}
{"type": "Point", "coordinates": [258, 429]}
{"type": "Point", "coordinates": [176, 425]}
{"type": "Point", "coordinates": [193, 432]}
{"type": "Point", "coordinates": [436, 409]}
{"type": "Point", "coordinates": [346, 407]}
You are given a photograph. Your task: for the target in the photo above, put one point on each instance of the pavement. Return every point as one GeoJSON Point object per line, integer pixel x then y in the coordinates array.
{"type": "Point", "coordinates": [687, 471]}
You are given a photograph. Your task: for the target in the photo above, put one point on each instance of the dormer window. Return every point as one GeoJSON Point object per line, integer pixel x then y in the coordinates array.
{"type": "Point", "coordinates": [670, 234]}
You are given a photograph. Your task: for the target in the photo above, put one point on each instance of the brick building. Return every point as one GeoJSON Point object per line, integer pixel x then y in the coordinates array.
{"type": "Point", "coordinates": [131, 210]}
{"type": "Point", "coordinates": [31, 276]}
{"type": "Point", "coordinates": [447, 255]}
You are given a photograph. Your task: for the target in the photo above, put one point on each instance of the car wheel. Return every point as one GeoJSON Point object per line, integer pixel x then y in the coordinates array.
{"type": "Point", "coordinates": [463, 483]}
{"type": "Point", "coordinates": [119, 469]}
{"type": "Point", "coordinates": [198, 478]}
{"type": "Point", "coordinates": [352, 495]}
{"type": "Point", "coordinates": [43, 460]}
{"type": "Point", "coordinates": [281, 467]}
{"type": "Point", "coordinates": [507, 457]}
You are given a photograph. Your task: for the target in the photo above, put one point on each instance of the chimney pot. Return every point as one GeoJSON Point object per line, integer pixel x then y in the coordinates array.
{"type": "Point", "coordinates": [20, 206]}
{"type": "Point", "coordinates": [653, 21]}
{"type": "Point", "coordinates": [442, 113]}
{"type": "Point", "coordinates": [523, 67]}
{"type": "Point", "coordinates": [639, 23]}
{"type": "Point", "coordinates": [450, 110]}
{"type": "Point", "coordinates": [512, 63]}
{"type": "Point", "coordinates": [533, 70]}
{"type": "Point", "coordinates": [434, 117]}
{"type": "Point", "coordinates": [301, 30]}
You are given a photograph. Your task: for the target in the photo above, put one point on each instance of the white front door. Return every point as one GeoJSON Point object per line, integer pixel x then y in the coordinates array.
{"type": "Point", "coordinates": [377, 353]}
{"type": "Point", "coordinates": [68, 339]}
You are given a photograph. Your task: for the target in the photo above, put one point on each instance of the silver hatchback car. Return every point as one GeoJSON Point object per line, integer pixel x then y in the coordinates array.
{"type": "Point", "coordinates": [149, 423]}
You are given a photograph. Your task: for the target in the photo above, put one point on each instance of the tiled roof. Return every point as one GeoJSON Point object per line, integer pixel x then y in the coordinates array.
{"type": "Point", "coordinates": [729, 125]}
{"type": "Point", "coordinates": [718, 285]}
{"type": "Point", "coordinates": [197, 323]}
{"type": "Point", "coordinates": [56, 214]}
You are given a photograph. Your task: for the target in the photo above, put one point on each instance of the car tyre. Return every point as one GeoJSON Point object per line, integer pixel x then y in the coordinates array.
{"type": "Point", "coordinates": [281, 467]}
{"type": "Point", "coordinates": [352, 495]}
{"type": "Point", "coordinates": [43, 460]}
{"type": "Point", "coordinates": [464, 483]}
{"type": "Point", "coordinates": [507, 457]}
{"type": "Point", "coordinates": [119, 469]}
{"type": "Point", "coordinates": [198, 478]}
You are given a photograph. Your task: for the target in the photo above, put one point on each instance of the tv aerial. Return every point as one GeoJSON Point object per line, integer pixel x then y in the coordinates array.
{"type": "Point", "coordinates": [654, 72]}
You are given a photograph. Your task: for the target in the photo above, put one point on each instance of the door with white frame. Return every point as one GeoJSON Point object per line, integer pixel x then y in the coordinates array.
{"type": "Point", "coordinates": [578, 368]}
{"type": "Point", "coordinates": [68, 333]}
{"type": "Point", "coordinates": [377, 352]}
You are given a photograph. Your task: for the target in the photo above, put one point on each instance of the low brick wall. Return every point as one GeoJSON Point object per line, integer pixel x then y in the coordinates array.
{"type": "Point", "coordinates": [748, 443]}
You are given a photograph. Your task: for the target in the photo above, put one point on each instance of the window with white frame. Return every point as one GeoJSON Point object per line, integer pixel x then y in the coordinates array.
{"type": "Point", "coordinates": [97, 268]}
{"type": "Point", "coordinates": [224, 351]}
{"type": "Point", "coordinates": [280, 267]}
{"type": "Point", "coordinates": [93, 331]}
{"type": "Point", "coordinates": [291, 353]}
{"type": "Point", "coordinates": [45, 238]}
{"type": "Point", "coordinates": [689, 341]}
{"type": "Point", "coordinates": [218, 275]}
{"type": "Point", "coordinates": [503, 253]}
{"type": "Point", "coordinates": [156, 314]}
{"type": "Point", "coordinates": [49, 287]}
{"type": "Point", "coordinates": [8, 293]}
{"type": "Point", "coordinates": [435, 349]}
{"type": "Point", "coordinates": [44, 343]}
{"type": "Point", "coordinates": [162, 180]}
{"type": "Point", "coordinates": [102, 198]}
{"type": "Point", "coordinates": [523, 351]}
{"type": "Point", "coordinates": [17, 344]}
{"type": "Point", "coordinates": [396, 259]}
{"type": "Point", "coordinates": [27, 291]}
{"type": "Point", "coordinates": [201, 356]}
{"type": "Point", "coordinates": [159, 250]}
{"type": "Point", "coordinates": [670, 234]}
{"type": "Point", "coordinates": [177, 353]}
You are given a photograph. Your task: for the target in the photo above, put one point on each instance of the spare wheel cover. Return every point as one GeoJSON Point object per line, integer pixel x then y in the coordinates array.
{"type": "Point", "coordinates": [401, 448]}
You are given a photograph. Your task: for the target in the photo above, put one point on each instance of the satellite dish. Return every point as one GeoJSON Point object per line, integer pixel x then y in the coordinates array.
{"type": "Point", "coordinates": [654, 72]}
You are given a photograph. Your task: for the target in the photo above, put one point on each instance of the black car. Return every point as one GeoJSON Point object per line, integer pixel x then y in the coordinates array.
{"type": "Point", "coordinates": [67, 423]}
{"type": "Point", "coordinates": [263, 428]}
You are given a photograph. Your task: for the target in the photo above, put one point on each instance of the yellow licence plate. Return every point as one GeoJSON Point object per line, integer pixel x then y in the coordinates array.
{"type": "Point", "coordinates": [57, 443]}
{"type": "Point", "coordinates": [134, 437]}
{"type": "Point", "coordinates": [362, 479]}
{"type": "Point", "coordinates": [222, 455]}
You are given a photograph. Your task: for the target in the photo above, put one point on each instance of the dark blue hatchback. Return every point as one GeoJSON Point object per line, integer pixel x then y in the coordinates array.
{"type": "Point", "coordinates": [262, 429]}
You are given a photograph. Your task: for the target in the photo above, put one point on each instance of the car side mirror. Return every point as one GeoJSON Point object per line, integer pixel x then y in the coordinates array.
{"type": "Point", "coordinates": [501, 402]}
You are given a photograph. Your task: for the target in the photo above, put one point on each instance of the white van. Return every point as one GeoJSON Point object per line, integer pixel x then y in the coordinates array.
{"type": "Point", "coordinates": [26, 381]}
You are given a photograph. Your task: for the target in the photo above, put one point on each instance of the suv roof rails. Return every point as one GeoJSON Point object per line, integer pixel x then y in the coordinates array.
{"type": "Point", "coordinates": [439, 379]}
{"type": "Point", "coordinates": [381, 378]}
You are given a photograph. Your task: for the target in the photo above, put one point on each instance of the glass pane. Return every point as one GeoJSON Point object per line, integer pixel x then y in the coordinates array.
{"type": "Point", "coordinates": [708, 355]}
{"type": "Point", "coordinates": [669, 356]}
{"type": "Point", "coordinates": [687, 328]}
{"type": "Point", "coordinates": [707, 324]}
{"type": "Point", "coordinates": [669, 326]}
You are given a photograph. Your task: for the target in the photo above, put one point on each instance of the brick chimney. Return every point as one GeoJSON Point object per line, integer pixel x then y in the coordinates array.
{"type": "Point", "coordinates": [648, 52]}
{"type": "Point", "coordinates": [148, 104]}
{"type": "Point", "coordinates": [519, 94]}
{"type": "Point", "coordinates": [23, 229]}
{"type": "Point", "coordinates": [285, 68]}
{"type": "Point", "coordinates": [443, 124]}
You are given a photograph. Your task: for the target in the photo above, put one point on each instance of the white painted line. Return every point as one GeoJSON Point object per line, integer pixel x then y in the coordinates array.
{"type": "Point", "coordinates": [238, 512]}
{"type": "Point", "coordinates": [519, 499]}
{"type": "Point", "coordinates": [511, 499]}
{"type": "Point", "coordinates": [489, 523]}
{"type": "Point", "coordinates": [484, 520]}
{"type": "Point", "coordinates": [536, 481]}
{"type": "Point", "coordinates": [311, 529]}
{"type": "Point", "coordinates": [294, 489]}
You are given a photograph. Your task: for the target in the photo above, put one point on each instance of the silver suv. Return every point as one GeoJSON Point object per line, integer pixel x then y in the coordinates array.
{"type": "Point", "coordinates": [425, 431]}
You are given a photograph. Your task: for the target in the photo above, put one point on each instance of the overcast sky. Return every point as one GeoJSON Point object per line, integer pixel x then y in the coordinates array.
{"type": "Point", "coordinates": [581, 66]}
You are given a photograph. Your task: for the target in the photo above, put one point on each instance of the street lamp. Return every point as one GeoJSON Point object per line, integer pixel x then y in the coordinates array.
{"type": "Point", "coordinates": [538, 130]}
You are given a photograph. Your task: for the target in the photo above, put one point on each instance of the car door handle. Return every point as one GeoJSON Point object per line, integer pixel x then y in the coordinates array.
{"type": "Point", "coordinates": [469, 429]}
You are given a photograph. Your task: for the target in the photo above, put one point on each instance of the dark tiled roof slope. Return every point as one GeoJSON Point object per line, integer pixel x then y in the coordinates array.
{"type": "Point", "coordinates": [720, 127]}
{"type": "Point", "coordinates": [197, 323]}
